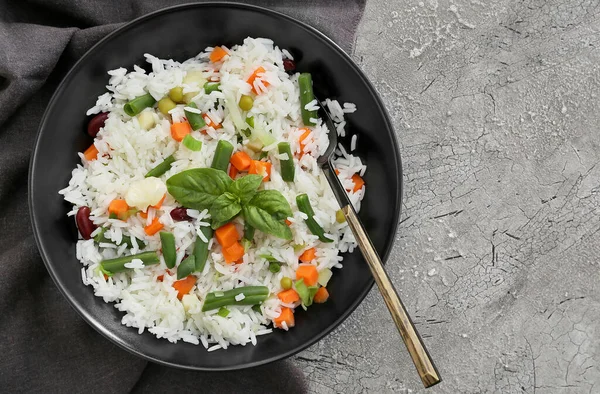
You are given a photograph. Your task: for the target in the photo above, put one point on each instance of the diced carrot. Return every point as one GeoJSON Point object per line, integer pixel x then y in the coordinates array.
{"type": "Point", "coordinates": [208, 120]}
{"type": "Point", "coordinates": [234, 252]}
{"type": "Point", "coordinates": [321, 295]}
{"type": "Point", "coordinates": [184, 285]}
{"type": "Point", "coordinates": [288, 222]}
{"type": "Point", "coordinates": [240, 260]}
{"type": "Point", "coordinates": [160, 277]}
{"type": "Point", "coordinates": [337, 172]}
{"type": "Point", "coordinates": [91, 153]}
{"type": "Point", "coordinates": [105, 276]}
{"type": "Point", "coordinates": [217, 54]}
{"type": "Point", "coordinates": [153, 227]}
{"type": "Point", "coordinates": [308, 255]}
{"type": "Point", "coordinates": [309, 273]}
{"type": "Point", "coordinates": [287, 316]}
{"type": "Point", "coordinates": [241, 160]}
{"type": "Point", "coordinates": [118, 207]}
{"type": "Point", "coordinates": [288, 296]}
{"type": "Point", "coordinates": [143, 215]}
{"type": "Point", "coordinates": [358, 182]}
{"type": "Point", "coordinates": [180, 130]}
{"type": "Point", "coordinates": [160, 203]}
{"type": "Point", "coordinates": [261, 168]}
{"type": "Point", "coordinates": [253, 77]}
{"type": "Point", "coordinates": [304, 136]}
{"type": "Point", "coordinates": [227, 235]}
{"type": "Point", "coordinates": [232, 171]}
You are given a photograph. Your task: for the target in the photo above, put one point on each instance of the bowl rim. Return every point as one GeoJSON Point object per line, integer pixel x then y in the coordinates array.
{"type": "Point", "coordinates": [103, 330]}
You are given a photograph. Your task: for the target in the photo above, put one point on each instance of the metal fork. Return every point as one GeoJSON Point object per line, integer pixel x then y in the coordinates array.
{"type": "Point", "coordinates": [425, 367]}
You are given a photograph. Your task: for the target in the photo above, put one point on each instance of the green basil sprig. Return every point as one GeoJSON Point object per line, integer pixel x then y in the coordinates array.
{"type": "Point", "coordinates": [212, 189]}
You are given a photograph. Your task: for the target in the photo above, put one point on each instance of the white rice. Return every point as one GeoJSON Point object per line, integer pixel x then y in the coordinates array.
{"type": "Point", "coordinates": [127, 152]}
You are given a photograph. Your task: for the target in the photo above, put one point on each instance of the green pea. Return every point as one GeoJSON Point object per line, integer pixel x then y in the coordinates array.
{"type": "Point", "coordinates": [339, 216]}
{"type": "Point", "coordinates": [286, 283]}
{"type": "Point", "coordinates": [165, 105]}
{"type": "Point", "coordinates": [176, 94]}
{"type": "Point", "coordinates": [246, 103]}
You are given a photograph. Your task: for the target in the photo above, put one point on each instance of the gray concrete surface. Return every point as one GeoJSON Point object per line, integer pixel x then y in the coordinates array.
{"type": "Point", "coordinates": [495, 104]}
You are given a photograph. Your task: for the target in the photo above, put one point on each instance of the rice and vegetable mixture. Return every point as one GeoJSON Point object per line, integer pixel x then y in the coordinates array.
{"type": "Point", "coordinates": [201, 209]}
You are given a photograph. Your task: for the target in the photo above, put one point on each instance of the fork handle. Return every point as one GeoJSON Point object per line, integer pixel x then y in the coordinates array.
{"type": "Point", "coordinates": [425, 367]}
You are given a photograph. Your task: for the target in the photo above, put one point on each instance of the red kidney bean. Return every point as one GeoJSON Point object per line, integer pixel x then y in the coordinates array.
{"type": "Point", "coordinates": [96, 123]}
{"type": "Point", "coordinates": [289, 65]}
{"type": "Point", "coordinates": [84, 223]}
{"type": "Point", "coordinates": [180, 215]}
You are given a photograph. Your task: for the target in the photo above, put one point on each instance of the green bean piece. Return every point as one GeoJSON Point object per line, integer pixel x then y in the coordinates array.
{"type": "Point", "coordinates": [263, 155]}
{"type": "Point", "coordinates": [210, 87]}
{"type": "Point", "coordinates": [256, 308]}
{"type": "Point", "coordinates": [161, 168]}
{"type": "Point", "coordinates": [246, 102]}
{"type": "Point", "coordinates": [196, 120]}
{"type": "Point", "coordinates": [223, 312]}
{"type": "Point", "coordinates": [306, 96]}
{"type": "Point", "coordinates": [286, 283]}
{"type": "Point", "coordinates": [252, 295]}
{"type": "Point", "coordinates": [169, 251]}
{"type": "Point", "coordinates": [137, 105]}
{"type": "Point", "coordinates": [249, 231]}
{"type": "Point", "coordinates": [287, 166]}
{"type": "Point", "coordinates": [165, 104]}
{"type": "Point", "coordinates": [176, 94]}
{"type": "Point", "coordinates": [222, 155]}
{"type": "Point", "coordinates": [201, 248]}
{"type": "Point", "coordinates": [186, 267]}
{"type": "Point", "coordinates": [304, 205]}
{"type": "Point", "coordinates": [274, 267]}
{"type": "Point", "coordinates": [101, 238]}
{"type": "Point", "coordinates": [118, 264]}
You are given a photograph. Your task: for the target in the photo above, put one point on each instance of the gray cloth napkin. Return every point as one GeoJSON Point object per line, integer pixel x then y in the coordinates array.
{"type": "Point", "coordinates": [44, 345]}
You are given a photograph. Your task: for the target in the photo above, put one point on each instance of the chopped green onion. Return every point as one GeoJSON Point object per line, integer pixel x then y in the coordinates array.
{"type": "Point", "coordinates": [223, 312]}
{"type": "Point", "coordinates": [274, 267]}
{"type": "Point", "coordinates": [256, 308]}
{"type": "Point", "coordinates": [268, 257]}
{"type": "Point", "coordinates": [191, 143]}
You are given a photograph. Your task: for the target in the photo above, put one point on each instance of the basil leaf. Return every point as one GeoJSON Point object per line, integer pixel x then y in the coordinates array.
{"type": "Point", "coordinates": [245, 187]}
{"type": "Point", "coordinates": [186, 267]}
{"type": "Point", "coordinates": [307, 294]}
{"type": "Point", "coordinates": [272, 202]}
{"type": "Point", "coordinates": [198, 188]}
{"type": "Point", "coordinates": [223, 209]}
{"type": "Point", "coordinates": [266, 212]}
{"type": "Point", "coordinates": [265, 222]}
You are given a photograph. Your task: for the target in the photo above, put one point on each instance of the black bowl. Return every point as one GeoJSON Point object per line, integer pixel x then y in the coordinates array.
{"type": "Point", "coordinates": [62, 135]}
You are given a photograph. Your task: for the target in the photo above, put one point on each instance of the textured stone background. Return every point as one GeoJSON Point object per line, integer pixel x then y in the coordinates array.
{"type": "Point", "coordinates": [495, 105]}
